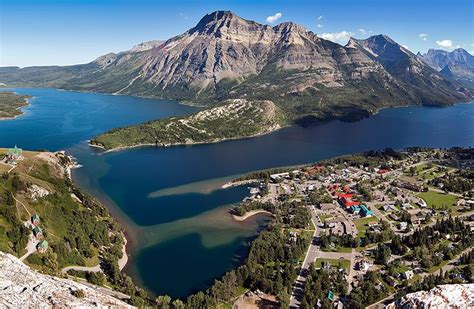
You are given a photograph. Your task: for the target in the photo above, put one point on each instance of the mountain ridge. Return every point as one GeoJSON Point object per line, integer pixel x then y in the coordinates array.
{"type": "Point", "coordinates": [228, 57]}
{"type": "Point", "coordinates": [457, 64]}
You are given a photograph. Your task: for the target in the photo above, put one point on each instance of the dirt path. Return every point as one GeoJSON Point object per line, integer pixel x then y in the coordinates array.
{"type": "Point", "coordinates": [249, 214]}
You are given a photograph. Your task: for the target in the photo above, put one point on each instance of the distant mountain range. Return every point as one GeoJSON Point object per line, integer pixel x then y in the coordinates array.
{"type": "Point", "coordinates": [458, 64]}
{"type": "Point", "coordinates": [227, 57]}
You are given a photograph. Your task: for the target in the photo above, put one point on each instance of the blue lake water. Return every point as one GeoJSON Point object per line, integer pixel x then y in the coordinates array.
{"type": "Point", "coordinates": [183, 239]}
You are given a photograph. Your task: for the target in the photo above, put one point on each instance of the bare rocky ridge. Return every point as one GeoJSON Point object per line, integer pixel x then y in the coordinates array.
{"type": "Point", "coordinates": [457, 64]}
{"type": "Point", "coordinates": [23, 287]}
{"type": "Point", "coordinates": [227, 57]}
{"type": "Point", "coordinates": [443, 296]}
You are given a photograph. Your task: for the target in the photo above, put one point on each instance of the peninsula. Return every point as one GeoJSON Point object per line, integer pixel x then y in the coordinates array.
{"type": "Point", "coordinates": [236, 118]}
{"type": "Point", "coordinates": [11, 103]}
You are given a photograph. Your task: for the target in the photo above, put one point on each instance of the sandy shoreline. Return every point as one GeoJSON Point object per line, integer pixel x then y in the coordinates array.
{"type": "Point", "coordinates": [249, 214]}
{"type": "Point", "coordinates": [122, 262]}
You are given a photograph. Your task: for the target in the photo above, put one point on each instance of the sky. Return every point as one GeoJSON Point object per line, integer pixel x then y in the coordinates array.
{"type": "Point", "coordinates": [68, 32]}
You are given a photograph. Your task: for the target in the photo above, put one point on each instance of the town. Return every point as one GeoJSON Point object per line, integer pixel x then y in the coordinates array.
{"type": "Point", "coordinates": [385, 220]}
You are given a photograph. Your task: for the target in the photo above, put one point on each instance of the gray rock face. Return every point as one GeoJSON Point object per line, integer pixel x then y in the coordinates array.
{"type": "Point", "coordinates": [225, 46]}
{"type": "Point", "coordinates": [227, 57]}
{"type": "Point", "coordinates": [458, 64]}
{"type": "Point", "coordinates": [23, 287]}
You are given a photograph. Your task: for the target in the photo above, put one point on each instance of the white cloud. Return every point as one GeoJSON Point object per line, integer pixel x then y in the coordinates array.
{"type": "Point", "coordinates": [338, 37]}
{"type": "Point", "coordinates": [362, 31]}
{"type": "Point", "coordinates": [445, 44]}
{"type": "Point", "coordinates": [320, 26]}
{"type": "Point", "coordinates": [423, 36]}
{"type": "Point", "coordinates": [273, 18]}
{"type": "Point", "coordinates": [183, 16]}
{"type": "Point", "coordinates": [320, 17]}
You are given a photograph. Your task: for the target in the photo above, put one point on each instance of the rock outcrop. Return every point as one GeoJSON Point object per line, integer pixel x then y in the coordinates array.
{"type": "Point", "coordinates": [23, 287]}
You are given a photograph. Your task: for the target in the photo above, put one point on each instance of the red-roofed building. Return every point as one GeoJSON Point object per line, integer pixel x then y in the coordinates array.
{"type": "Point", "coordinates": [345, 195]}
{"type": "Point", "coordinates": [347, 202]}
{"type": "Point", "coordinates": [383, 171]}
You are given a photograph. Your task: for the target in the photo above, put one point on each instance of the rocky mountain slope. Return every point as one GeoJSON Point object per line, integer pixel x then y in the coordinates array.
{"type": "Point", "coordinates": [23, 287]}
{"type": "Point", "coordinates": [443, 296]}
{"type": "Point", "coordinates": [227, 57]}
{"type": "Point", "coordinates": [236, 118]}
{"type": "Point", "coordinates": [458, 64]}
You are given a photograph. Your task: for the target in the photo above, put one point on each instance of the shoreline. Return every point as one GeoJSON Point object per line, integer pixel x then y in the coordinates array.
{"type": "Point", "coordinates": [250, 214]}
{"type": "Point", "coordinates": [232, 183]}
{"type": "Point", "coordinates": [123, 261]}
{"type": "Point", "coordinates": [123, 148]}
{"type": "Point", "coordinates": [27, 104]}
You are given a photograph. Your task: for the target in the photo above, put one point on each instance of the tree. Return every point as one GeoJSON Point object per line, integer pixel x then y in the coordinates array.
{"type": "Point", "coordinates": [163, 302]}
{"type": "Point", "coordinates": [178, 304]}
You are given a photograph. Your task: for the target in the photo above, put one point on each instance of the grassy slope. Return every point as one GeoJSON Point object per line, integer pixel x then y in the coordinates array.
{"type": "Point", "coordinates": [61, 215]}
{"type": "Point", "coordinates": [10, 104]}
{"type": "Point", "coordinates": [234, 119]}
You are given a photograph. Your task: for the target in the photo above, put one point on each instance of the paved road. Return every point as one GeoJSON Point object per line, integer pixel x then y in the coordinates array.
{"type": "Point", "coordinates": [311, 255]}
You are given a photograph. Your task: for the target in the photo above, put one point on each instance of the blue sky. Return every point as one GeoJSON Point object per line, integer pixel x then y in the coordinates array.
{"type": "Point", "coordinates": [64, 32]}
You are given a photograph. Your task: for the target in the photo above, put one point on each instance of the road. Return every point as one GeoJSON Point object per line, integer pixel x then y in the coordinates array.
{"type": "Point", "coordinates": [30, 246]}
{"type": "Point", "coordinates": [311, 255]}
{"type": "Point", "coordinates": [82, 268]}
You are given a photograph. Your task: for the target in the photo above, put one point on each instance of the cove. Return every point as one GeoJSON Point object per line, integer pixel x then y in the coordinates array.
{"type": "Point", "coordinates": [169, 199]}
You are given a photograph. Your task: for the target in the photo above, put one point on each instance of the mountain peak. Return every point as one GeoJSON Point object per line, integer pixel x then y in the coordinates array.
{"type": "Point", "coordinates": [218, 21]}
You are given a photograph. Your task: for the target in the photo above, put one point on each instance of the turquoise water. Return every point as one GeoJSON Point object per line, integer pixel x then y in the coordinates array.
{"type": "Point", "coordinates": [169, 200]}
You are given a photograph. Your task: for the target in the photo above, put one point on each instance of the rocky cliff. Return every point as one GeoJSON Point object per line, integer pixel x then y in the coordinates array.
{"type": "Point", "coordinates": [23, 287]}
{"type": "Point", "coordinates": [227, 57]}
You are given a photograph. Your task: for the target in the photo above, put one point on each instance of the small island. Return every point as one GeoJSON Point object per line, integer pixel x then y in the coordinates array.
{"type": "Point", "coordinates": [11, 104]}
{"type": "Point", "coordinates": [231, 120]}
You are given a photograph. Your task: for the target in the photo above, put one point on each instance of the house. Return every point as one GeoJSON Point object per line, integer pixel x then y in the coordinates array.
{"type": "Point", "coordinates": [15, 153]}
{"type": "Point", "coordinates": [408, 274]}
{"type": "Point", "coordinates": [372, 224]}
{"type": "Point", "coordinates": [365, 212]}
{"type": "Point", "coordinates": [355, 209]}
{"type": "Point", "coordinates": [37, 232]}
{"type": "Point", "coordinates": [331, 295]}
{"type": "Point", "coordinates": [327, 206]}
{"type": "Point", "coordinates": [407, 206]}
{"type": "Point", "coordinates": [363, 265]}
{"type": "Point", "coordinates": [35, 219]}
{"type": "Point", "coordinates": [415, 220]}
{"type": "Point", "coordinates": [422, 203]}
{"type": "Point", "coordinates": [403, 225]}
{"type": "Point", "coordinates": [42, 246]}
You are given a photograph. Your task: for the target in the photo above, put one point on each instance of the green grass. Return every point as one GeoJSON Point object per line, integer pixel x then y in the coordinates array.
{"type": "Point", "coordinates": [324, 217]}
{"type": "Point", "coordinates": [339, 249]}
{"type": "Point", "coordinates": [438, 200]}
{"type": "Point", "coordinates": [362, 225]}
{"type": "Point", "coordinates": [334, 262]}
{"type": "Point", "coordinates": [434, 269]}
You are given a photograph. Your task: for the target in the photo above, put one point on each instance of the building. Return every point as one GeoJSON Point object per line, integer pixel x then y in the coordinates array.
{"type": "Point", "coordinates": [42, 246]}
{"type": "Point", "coordinates": [365, 212]}
{"type": "Point", "coordinates": [37, 232]}
{"type": "Point", "coordinates": [35, 219]}
{"type": "Point", "coordinates": [327, 206]}
{"type": "Point", "coordinates": [355, 209]}
{"type": "Point", "coordinates": [15, 153]}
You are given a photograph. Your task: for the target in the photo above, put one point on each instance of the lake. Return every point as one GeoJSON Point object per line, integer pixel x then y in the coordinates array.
{"type": "Point", "coordinates": [170, 199]}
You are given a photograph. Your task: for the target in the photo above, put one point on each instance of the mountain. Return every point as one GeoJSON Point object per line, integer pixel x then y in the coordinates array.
{"type": "Point", "coordinates": [227, 57]}
{"type": "Point", "coordinates": [419, 80]}
{"type": "Point", "coordinates": [458, 64]}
